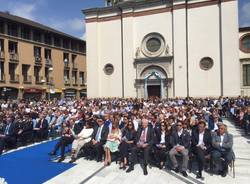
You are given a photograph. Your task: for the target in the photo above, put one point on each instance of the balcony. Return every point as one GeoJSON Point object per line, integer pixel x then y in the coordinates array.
{"type": "Point", "coordinates": [48, 62]}
{"type": "Point", "coordinates": [39, 80]}
{"type": "Point", "coordinates": [38, 60]}
{"type": "Point", "coordinates": [66, 82]}
{"type": "Point", "coordinates": [14, 78]}
{"type": "Point", "coordinates": [2, 78]}
{"type": "Point", "coordinates": [2, 55]}
{"type": "Point", "coordinates": [14, 57]}
{"type": "Point", "coordinates": [27, 79]}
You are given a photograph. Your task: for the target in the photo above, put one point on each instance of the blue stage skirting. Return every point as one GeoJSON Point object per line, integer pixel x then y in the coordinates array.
{"type": "Point", "coordinates": [31, 165]}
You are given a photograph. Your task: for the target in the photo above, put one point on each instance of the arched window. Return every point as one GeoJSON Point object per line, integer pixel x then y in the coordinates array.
{"type": "Point", "coordinates": [245, 43]}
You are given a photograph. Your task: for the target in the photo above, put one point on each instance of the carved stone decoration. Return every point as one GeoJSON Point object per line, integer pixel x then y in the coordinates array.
{"type": "Point", "coordinates": [153, 45]}
{"type": "Point", "coordinates": [138, 52]}
{"type": "Point", "coordinates": [167, 50]}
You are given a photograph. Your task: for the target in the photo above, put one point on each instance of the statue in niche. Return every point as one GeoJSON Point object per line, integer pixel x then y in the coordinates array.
{"type": "Point", "coordinates": [167, 50]}
{"type": "Point", "coordinates": [138, 52]}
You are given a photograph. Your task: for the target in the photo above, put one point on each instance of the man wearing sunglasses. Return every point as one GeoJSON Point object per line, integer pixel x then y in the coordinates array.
{"type": "Point", "coordinates": [180, 141]}
{"type": "Point", "coordinates": [94, 148]}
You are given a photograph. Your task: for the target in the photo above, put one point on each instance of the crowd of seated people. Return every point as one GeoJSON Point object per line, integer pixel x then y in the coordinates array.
{"type": "Point", "coordinates": [23, 122]}
{"type": "Point", "coordinates": [161, 131]}
{"type": "Point", "coordinates": [239, 112]}
{"type": "Point", "coordinates": [153, 130]}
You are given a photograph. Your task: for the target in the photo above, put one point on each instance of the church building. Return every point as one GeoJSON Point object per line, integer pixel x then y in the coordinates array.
{"type": "Point", "coordinates": [164, 48]}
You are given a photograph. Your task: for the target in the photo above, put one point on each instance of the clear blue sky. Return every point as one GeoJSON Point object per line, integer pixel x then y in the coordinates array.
{"type": "Point", "coordinates": [66, 15]}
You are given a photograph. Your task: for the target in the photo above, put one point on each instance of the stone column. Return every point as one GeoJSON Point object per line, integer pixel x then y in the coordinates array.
{"type": "Point", "coordinates": [146, 89]}
{"type": "Point", "coordinates": [77, 94]}
{"type": "Point", "coordinates": [162, 89]}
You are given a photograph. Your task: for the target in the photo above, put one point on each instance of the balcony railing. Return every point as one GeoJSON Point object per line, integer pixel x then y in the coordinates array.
{"type": "Point", "coordinates": [27, 79]}
{"type": "Point", "coordinates": [39, 79]}
{"type": "Point", "coordinates": [1, 54]}
{"type": "Point", "coordinates": [14, 78]}
{"type": "Point", "coordinates": [48, 62]}
{"type": "Point", "coordinates": [14, 57]}
{"type": "Point", "coordinates": [2, 78]}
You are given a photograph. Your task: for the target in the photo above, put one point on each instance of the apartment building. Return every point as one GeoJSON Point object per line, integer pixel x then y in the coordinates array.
{"type": "Point", "coordinates": [37, 61]}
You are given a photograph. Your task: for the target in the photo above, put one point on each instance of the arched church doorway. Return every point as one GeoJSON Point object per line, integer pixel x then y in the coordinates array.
{"type": "Point", "coordinates": [154, 91]}
{"type": "Point", "coordinates": [154, 80]}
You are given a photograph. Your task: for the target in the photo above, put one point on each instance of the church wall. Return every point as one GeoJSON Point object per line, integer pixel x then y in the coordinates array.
{"type": "Point", "coordinates": [109, 51]}
{"type": "Point", "coordinates": [129, 54]}
{"type": "Point", "coordinates": [180, 68]}
{"type": "Point", "coordinates": [159, 23]}
{"type": "Point", "coordinates": [147, 24]}
{"type": "Point", "coordinates": [203, 41]}
{"type": "Point", "coordinates": [104, 46]}
{"type": "Point", "coordinates": [244, 59]}
{"type": "Point", "coordinates": [92, 59]}
{"type": "Point", "coordinates": [230, 32]}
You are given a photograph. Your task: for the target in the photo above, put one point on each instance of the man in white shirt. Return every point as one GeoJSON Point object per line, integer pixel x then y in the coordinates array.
{"type": "Point", "coordinates": [201, 145]}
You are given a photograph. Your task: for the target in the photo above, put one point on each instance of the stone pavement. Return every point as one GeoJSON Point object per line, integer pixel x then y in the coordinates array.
{"type": "Point", "coordinates": [90, 172]}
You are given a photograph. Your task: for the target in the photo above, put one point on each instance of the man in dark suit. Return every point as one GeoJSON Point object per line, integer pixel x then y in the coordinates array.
{"type": "Point", "coordinates": [144, 142]}
{"type": "Point", "coordinates": [155, 124]}
{"type": "Point", "coordinates": [201, 145]}
{"type": "Point", "coordinates": [41, 129]}
{"type": "Point", "coordinates": [25, 129]}
{"type": "Point", "coordinates": [180, 141]}
{"type": "Point", "coordinates": [94, 148]}
{"type": "Point", "coordinates": [9, 136]}
{"type": "Point", "coordinates": [222, 142]}
{"type": "Point", "coordinates": [213, 122]}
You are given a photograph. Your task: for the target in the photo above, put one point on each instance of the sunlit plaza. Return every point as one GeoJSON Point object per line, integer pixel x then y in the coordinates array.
{"type": "Point", "coordinates": [124, 91]}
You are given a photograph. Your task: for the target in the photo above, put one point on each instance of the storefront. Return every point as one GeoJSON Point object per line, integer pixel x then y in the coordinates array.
{"type": "Point", "coordinates": [53, 93]}
{"type": "Point", "coordinates": [8, 93]}
{"type": "Point", "coordinates": [70, 93]}
{"type": "Point", "coordinates": [33, 93]}
{"type": "Point", "coordinates": [83, 93]}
